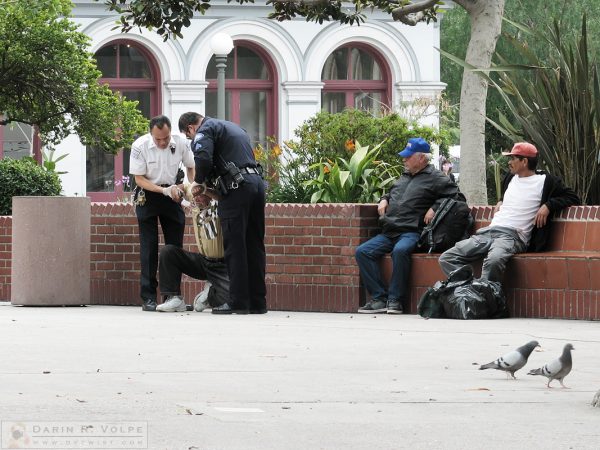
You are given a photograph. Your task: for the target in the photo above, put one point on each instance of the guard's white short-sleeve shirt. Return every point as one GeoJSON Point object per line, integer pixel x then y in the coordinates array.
{"type": "Point", "coordinates": [159, 166]}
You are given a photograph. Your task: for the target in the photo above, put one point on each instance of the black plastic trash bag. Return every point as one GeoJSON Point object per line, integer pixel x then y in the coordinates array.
{"type": "Point", "coordinates": [462, 297]}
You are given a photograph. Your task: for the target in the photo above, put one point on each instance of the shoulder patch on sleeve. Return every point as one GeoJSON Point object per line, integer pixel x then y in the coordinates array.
{"type": "Point", "coordinates": [197, 139]}
{"type": "Point", "coordinates": [136, 152]}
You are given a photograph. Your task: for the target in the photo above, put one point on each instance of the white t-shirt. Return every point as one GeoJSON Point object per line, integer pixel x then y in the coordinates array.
{"type": "Point", "coordinates": [159, 166]}
{"type": "Point", "coordinates": [522, 200]}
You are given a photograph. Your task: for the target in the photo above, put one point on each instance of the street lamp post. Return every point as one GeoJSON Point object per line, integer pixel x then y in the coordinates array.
{"type": "Point", "coordinates": [221, 45]}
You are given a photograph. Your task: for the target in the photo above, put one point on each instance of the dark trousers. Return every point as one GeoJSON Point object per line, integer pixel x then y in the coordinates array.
{"type": "Point", "coordinates": [175, 261]}
{"type": "Point", "coordinates": [368, 256]}
{"type": "Point", "coordinates": [172, 221]}
{"type": "Point", "coordinates": [242, 213]}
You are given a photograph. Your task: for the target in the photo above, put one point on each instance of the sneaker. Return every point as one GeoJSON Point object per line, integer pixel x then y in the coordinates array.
{"type": "Point", "coordinates": [374, 306]}
{"type": "Point", "coordinates": [173, 304]}
{"type": "Point", "coordinates": [148, 304]}
{"type": "Point", "coordinates": [394, 307]}
{"type": "Point", "coordinates": [201, 300]}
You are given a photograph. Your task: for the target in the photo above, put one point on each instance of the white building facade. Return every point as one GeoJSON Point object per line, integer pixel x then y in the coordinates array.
{"type": "Point", "coordinates": [278, 75]}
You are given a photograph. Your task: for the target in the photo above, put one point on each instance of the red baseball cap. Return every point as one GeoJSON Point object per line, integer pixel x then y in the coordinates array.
{"type": "Point", "coordinates": [522, 149]}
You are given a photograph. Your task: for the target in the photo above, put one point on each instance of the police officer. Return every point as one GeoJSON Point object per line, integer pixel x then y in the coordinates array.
{"type": "Point", "coordinates": [155, 160]}
{"type": "Point", "coordinates": [224, 159]}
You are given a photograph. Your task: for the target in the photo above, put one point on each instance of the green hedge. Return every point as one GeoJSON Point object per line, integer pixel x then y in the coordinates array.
{"type": "Point", "coordinates": [19, 177]}
{"type": "Point", "coordinates": [327, 137]}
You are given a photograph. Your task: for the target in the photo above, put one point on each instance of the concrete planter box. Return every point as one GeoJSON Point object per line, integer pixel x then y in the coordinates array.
{"type": "Point", "coordinates": [51, 251]}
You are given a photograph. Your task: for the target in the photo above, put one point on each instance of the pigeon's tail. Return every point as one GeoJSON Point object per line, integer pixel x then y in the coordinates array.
{"type": "Point", "coordinates": [492, 365]}
{"type": "Point", "coordinates": [539, 371]}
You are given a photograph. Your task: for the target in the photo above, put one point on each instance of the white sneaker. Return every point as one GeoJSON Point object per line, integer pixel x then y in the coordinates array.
{"type": "Point", "coordinates": [173, 304]}
{"type": "Point", "coordinates": [201, 300]}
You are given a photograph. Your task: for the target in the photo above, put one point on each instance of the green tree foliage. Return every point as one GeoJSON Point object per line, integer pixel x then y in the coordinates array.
{"type": "Point", "coordinates": [536, 14]}
{"type": "Point", "coordinates": [49, 79]}
{"type": "Point", "coordinates": [326, 142]}
{"type": "Point", "coordinates": [169, 17]}
{"type": "Point", "coordinates": [557, 106]}
{"type": "Point", "coordinates": [24, 177]}
{"type": "Point", "coordinates": [328, 136]}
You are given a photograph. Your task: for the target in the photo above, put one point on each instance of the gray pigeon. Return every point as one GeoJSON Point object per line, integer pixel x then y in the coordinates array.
{"type": "Point", "coordinates": [512, 361]}
{"type": "Point", "coordinates": [596, 400]}
{"type": "Point", "coordinates": [557, 369]}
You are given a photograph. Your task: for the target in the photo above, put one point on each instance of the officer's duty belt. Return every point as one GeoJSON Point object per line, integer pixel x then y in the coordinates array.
{"type": "Point", "coordinates": [249, 170]}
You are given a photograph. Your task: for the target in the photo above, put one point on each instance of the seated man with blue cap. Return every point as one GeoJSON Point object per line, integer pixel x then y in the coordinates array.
{"type": "Point", "coordinates": [403, 213]}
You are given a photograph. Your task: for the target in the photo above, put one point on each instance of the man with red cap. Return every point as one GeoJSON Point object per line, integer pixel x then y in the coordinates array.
{"type": "Point", "coordinates": [530, 198]}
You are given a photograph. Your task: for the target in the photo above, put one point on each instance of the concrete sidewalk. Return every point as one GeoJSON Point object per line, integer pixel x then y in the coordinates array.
{"type": "Point", "coordinates": [298, 380]}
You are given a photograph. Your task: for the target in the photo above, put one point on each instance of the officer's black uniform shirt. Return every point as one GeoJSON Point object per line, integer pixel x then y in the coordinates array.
{"type": "Point", "coordinates": [217, 142]}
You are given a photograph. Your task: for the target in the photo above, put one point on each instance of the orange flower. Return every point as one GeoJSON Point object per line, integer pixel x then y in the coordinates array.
{"type": "Point", "coordinates": [258, 153]}
{"type": "Point", "coordinates": [350, 145]}
{"type": "Point", "coordinates": [326, 169]}
{"type": "Point", "coordinates": [276, 151]}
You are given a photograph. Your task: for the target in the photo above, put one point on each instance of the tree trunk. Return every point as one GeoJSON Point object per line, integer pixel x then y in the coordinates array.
{"type": "Point", "coordinates": [486, 24]}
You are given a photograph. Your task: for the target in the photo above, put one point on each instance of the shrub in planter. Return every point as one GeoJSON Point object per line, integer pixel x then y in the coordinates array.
{"type": "Point", "coordinates": [327, 136]}
{"type": "Point", "coordinates": [327, 139]}
{"type": "Point", "coordinates": [20, 177]}
{"type": "Point", "coordinates": [362, 179]}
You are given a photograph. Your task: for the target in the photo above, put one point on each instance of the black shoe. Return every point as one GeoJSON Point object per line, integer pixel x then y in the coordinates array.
{"type": "Point", "coordinates": [226, 309]}
{"type": "Point", "coordinates": [374, 307]}
{"type": "Point", "coordinates": [394, 307]}
{"type": "Point", "coordinates": [258, 311]}
{"type": "Point", "coordinates": [148, 304]}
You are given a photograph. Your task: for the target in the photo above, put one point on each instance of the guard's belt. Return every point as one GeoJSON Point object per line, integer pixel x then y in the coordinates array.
{"type": "Point", "coordinates": [249, 170]}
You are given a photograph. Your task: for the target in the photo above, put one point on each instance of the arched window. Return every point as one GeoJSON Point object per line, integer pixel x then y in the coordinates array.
{"type": "Point", "coordinates": [130, 69]}
{"type": "Point", "coordinates": [16, 140]}
{"type": "Point", "coordinates": [355, 76]}
{"type": "Point", "coordinates": [250, 97]}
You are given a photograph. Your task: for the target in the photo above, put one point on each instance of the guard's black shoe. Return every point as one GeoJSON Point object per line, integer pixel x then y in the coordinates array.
{"type": "Point", "coordinates": [148, 304]}
{"type": "Point", "coordinates": [258, 311]}
{"type": "Point", "coordinates": [226, 309]}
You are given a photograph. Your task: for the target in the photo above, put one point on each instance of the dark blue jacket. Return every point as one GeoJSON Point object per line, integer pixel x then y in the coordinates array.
{"type": "Point", "coordinates": [217, 142]}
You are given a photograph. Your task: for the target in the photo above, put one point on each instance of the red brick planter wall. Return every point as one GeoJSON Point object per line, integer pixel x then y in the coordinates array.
{"type": "Point", "coordinates": [311, 266]}
{"type": "Point", "coordinates": [310, 255]}
{"type": "Point", "coordinates": [5, 256]}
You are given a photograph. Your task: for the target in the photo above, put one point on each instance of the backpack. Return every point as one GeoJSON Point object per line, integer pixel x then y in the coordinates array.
{"type": "Point", "coordinates": [452, 223]}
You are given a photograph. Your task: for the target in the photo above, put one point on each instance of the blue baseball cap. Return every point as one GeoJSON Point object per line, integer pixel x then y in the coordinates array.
{"type": "Point", "coordinates": [415, 145]}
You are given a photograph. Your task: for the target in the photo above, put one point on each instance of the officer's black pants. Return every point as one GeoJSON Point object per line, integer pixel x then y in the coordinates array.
{"type": "Point", "coordinates": [242, 213]}
{"type": "Point", "coordinates": [174, 261]}
{"type": "Point", "coordinates": [172, 222]}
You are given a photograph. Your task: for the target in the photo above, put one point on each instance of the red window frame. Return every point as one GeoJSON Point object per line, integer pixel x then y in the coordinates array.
{"type": "Point", "coordinates": [351, 86]}
{"type": "Point", "coordinates": [236, 86]}
{"type": "Point", "coordinates": [153, 85]}
{"type": "Point", "coordinates": [36, 144]}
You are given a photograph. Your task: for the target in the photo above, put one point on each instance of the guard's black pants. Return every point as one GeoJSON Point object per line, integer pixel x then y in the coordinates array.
{"type": "Point", "coordinates": [242, 213]}
{"type": "Point", "coordinates": [174, 261]}
{"type": "Point", "coordinates": [172, 222]}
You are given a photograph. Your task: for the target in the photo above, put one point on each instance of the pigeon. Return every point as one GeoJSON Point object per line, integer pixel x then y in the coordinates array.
{"type": "Point", "coordinates": [512, 361]}
{"type": "Point", "coordinates": [596, 400]}
{"type": "Point", "coordinates": [557, 369]}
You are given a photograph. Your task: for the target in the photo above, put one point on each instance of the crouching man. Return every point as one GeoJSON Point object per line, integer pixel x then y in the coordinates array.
{"type": "Point", "coordinates": [521, 222]}
{"type": "Point", "coordinates": [175, 261]}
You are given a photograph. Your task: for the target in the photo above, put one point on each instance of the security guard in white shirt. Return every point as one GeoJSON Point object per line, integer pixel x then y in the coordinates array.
{"type": "Point", "coordinates": [155, 160]}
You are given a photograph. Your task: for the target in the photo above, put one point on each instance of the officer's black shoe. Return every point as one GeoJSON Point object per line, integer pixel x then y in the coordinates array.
{"type": "Point", "coordinates": [226, 309]}
{"type": "Point", "coordinates": [258, 311]}
{"type": "Point", "coordinates": [149, 304]}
